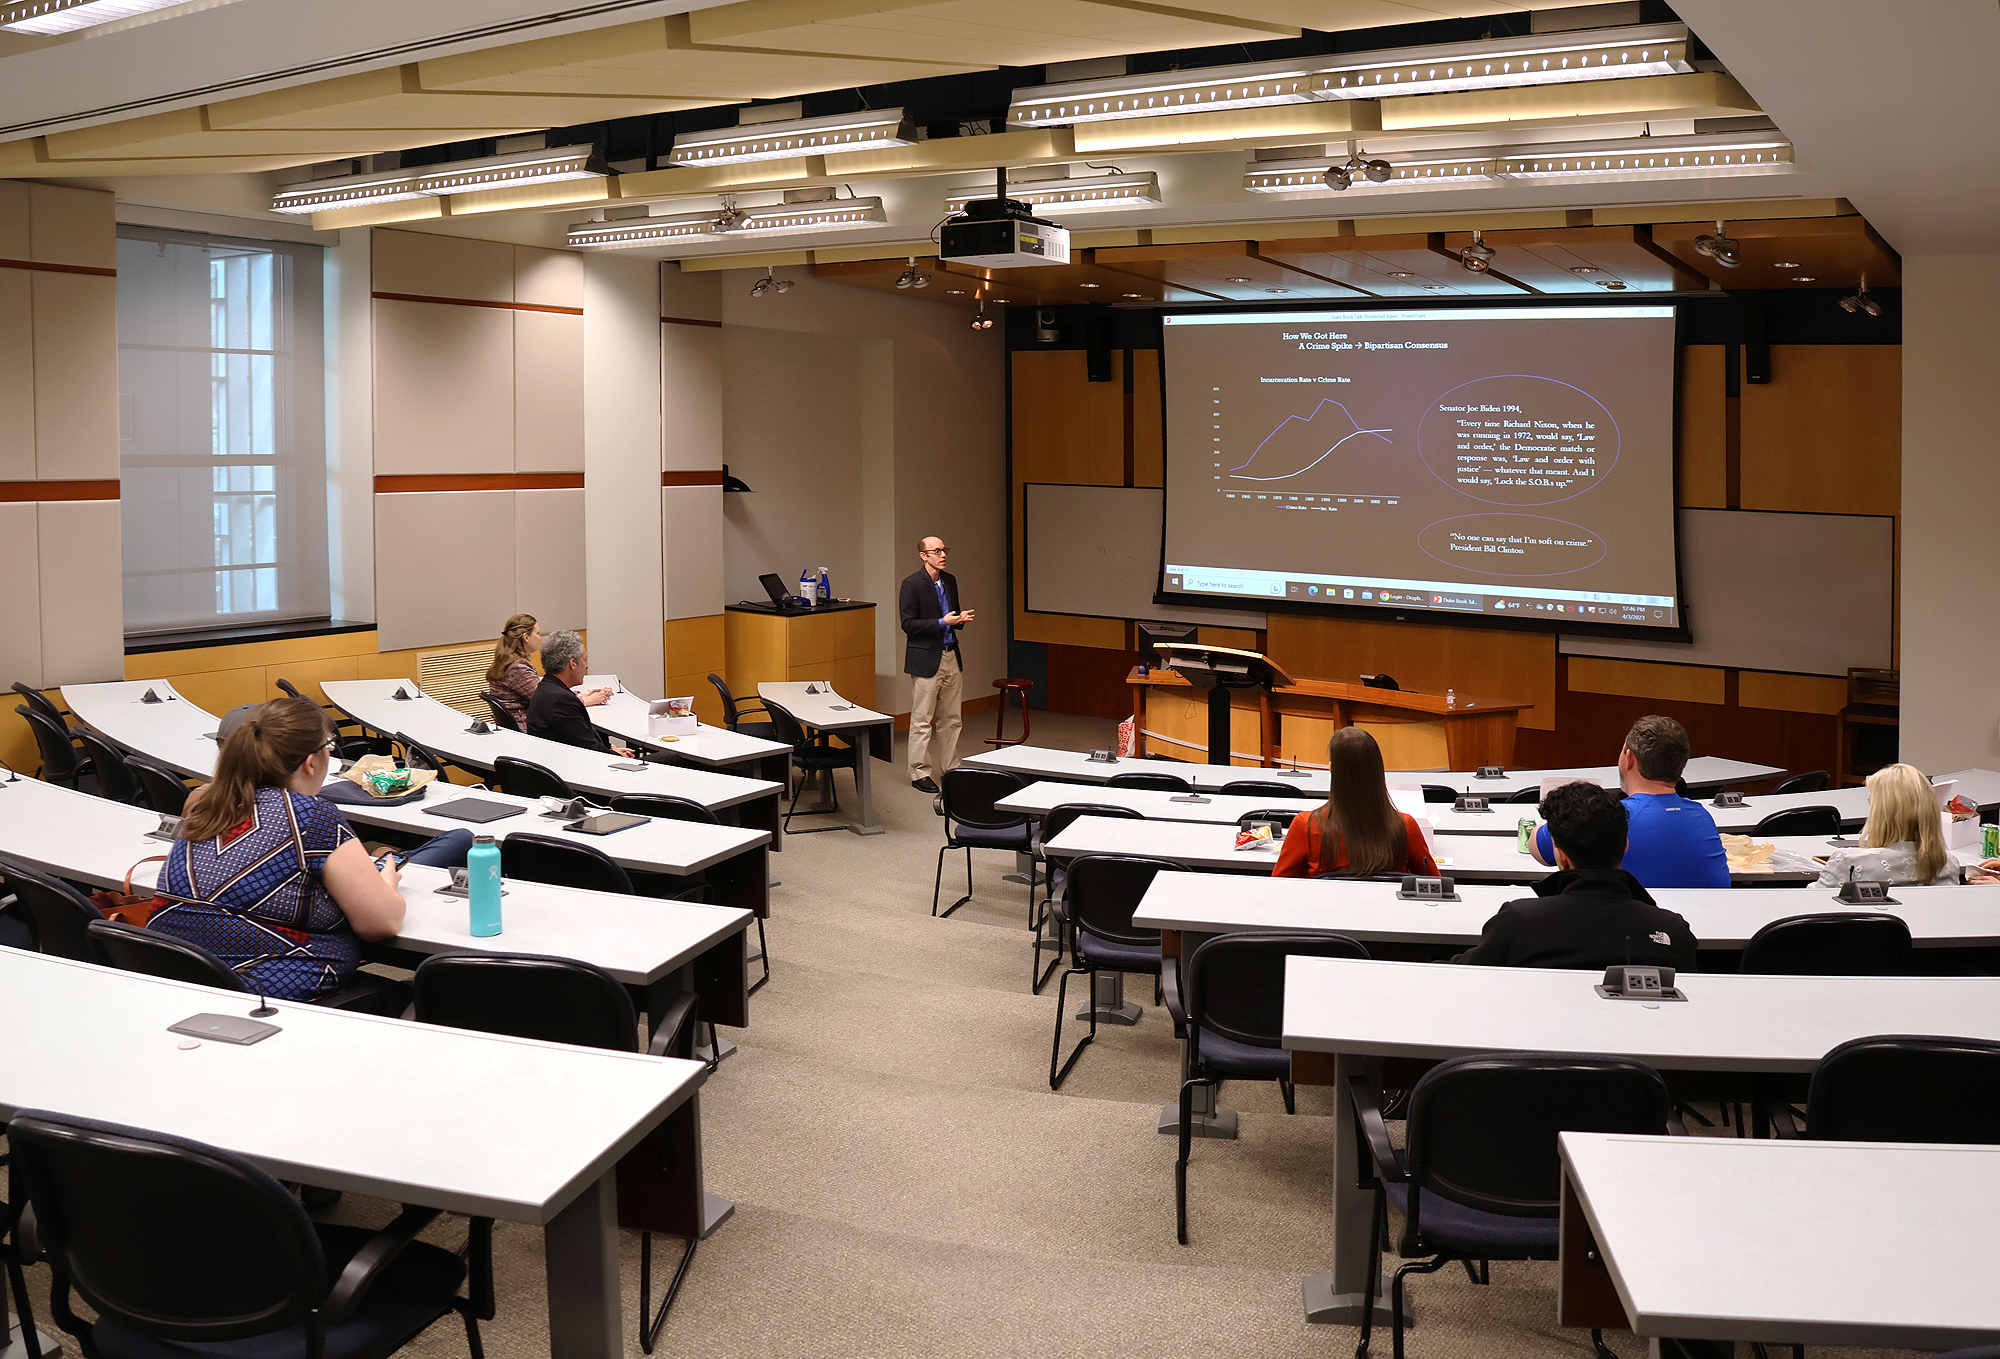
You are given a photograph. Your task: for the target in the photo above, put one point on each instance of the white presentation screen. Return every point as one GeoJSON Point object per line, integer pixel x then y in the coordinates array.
{"type": "Point", "coordinates": [1508, 462]}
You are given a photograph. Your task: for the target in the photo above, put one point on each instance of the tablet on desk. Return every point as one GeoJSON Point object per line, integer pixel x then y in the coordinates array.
{"type": "Point", "coordinates": [606, 823]}
{"type": "Point", "coordinates": [476, 810]}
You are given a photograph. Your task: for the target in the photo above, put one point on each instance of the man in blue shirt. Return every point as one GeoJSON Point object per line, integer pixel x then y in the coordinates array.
{"type": "Point", "coordinates": [1673, 841]}
{"type": "Point", "coordinates": [928, 606]}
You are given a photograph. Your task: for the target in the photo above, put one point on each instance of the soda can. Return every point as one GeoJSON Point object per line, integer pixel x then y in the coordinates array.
{"type": "Point", "coordinates": [1525, 837]}
{"type": "Point", "coordinates": [1989, 842]}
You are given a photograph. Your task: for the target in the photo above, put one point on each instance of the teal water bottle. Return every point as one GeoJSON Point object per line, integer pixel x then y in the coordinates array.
{"type": "Point", "coordinates": [482, 881]}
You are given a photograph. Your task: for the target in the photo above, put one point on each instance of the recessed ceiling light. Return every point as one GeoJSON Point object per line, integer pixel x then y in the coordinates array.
{"type": "Point", "coordinates": [1238, 280]}
{"type": "Point", "coordinates": [1433, 287]}
{"type": "Point", "coordinates": [1804, 278]}
{"type": "Point", "coordinates": [1140, 296]}
{"type": "Point", "coordinates": [1786, 264]}
{"type": "Point", "coordinates": [1399, 273]}
{"type": "Point", "coordinates": [956, 292]}
{"type": "Point", "coordinates": [1615, 285]}
{"type": "Point", "coordinates": [1090, 285]}
{"type": "Point", "coordinates": [1277, 290]}
{"type": "Point", "coordinates": [1585, 269]}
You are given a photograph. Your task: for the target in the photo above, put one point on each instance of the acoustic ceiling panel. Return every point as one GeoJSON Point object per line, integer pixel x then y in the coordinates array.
{"type": "Point", "coordinates": [1811, 252]}
{"type": "Point", "coordinates": [395, 99]}
{"type": "Point", "coordinates": [1582, 260]}
{"type": "Point", "coordinates": [1387, 266]}
{"type": "Point", "coordinates": [1231, 270]}
{"type": "Point", "coordinates": [186, 132]}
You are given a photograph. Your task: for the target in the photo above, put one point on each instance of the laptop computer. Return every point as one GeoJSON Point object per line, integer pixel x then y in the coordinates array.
{"type": "Point", "coordinates": [781, 599]}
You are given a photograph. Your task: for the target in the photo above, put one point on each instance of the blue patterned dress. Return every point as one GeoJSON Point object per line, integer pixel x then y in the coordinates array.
{"type": "Point", "coordinates": [255, 899]}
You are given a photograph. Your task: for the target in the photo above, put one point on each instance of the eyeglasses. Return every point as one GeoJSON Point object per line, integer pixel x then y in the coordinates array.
{"type": "Point", "coordinates": [332, 746]}
{"type": "Point", "coordinates": [932, 551]}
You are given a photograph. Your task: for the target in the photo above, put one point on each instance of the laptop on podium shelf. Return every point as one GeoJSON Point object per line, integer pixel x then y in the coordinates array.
{"type": "Point", "coordinates": [781, 599]}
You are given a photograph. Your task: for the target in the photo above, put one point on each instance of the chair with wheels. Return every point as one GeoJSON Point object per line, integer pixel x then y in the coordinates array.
{"type": "Point", "coordinates": [561, 1000]}
{"type": "Point", "coordinates": [159, 787]}
{"type": "Point", "coordinates": [1264, 788]}
{"type": "Point", "coordinates": [812, 755]}
{"type": "Point", "coordinates": [1165, 783]}
{"type": "Point", "coordinates": [351, 739]}
{"type": "Point", "coordinates": [563, 863]}
{"type": "Point", "coordinates": [1436, 792]}
{"type": "Point", "coordinates": [1524, 796]}
{"type": "Point", "coordinates": [415, 756]}
{"type": "Point", "coordinates": [1099, 899]}
{"type": "Point", "coordinates": [1468, 1195]}
{"type": "Point", "coordinates": [186, 1249]}
{"type": "Point", "coordinates": [1800, 821]}
{"type": "Point", "coordinates": [20, 1247]}
{"type": "Point", "coordinates": [61, 914]}
{"type": "Point", "coordinates": [115, 779]}
{"type": "Point", "coordinates": [965, 800]}
{"type": "Point", "coordinates": [1904, 1088]}
{"type": "Point", "coordinates": [1018, 690]}
{"type": "Point", "coordinates": [525, 778]}
{"type": "Point", "coordinates": [43, 704]}
{"type": "Point", "coordinates": [733, 709]}
{"type": "Point", "coordinates": [1228, 1003]}
{"type": "Point", "coordinates": [1055, 873]}
{"type": "Point", "coordinates": [666, 807]}
{"type": "Point", "coordinates": [155, 953]}
{"type": "Point", "coordinates": [502, 718]}
{"type": "Point", "coordinates": [1830, 944]}
{"type": "Point", "coordinates": [1813, 782]}
{"type": "Point", "coordinates": [62, 763]}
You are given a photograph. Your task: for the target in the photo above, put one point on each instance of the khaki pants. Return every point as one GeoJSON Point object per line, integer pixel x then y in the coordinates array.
{"type": "Point", "coordinates": [934, 720]}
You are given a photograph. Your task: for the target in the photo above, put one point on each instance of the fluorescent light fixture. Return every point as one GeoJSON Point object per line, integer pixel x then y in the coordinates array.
{"type": "Point", "coordinates": [1542, 59]}
{"type": "Point", "coordinates": [348, 191]}
{"type": "Point", "coordinates": [636, 232]}
{"type": "Point", "coordinates": [67, 16]}
{"type": "Point", "coordinates": [1097, 191]}
{"type": "Point", "coordinates": [546, 166]}
{"type": "Point", "coordinates": [1651, 158]}
{"type": "Point", "coordinates": [1431, 170]}
{"type": "Point", "coordinates": [870, 130]}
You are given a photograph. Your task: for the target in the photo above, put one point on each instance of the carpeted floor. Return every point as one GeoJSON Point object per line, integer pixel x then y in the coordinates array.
{"type": "Point", "coordinates": [907, 1184]}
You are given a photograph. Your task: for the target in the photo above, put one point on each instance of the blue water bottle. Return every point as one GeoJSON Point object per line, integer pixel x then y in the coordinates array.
{"type": "Point", "coordinates": [482, 881]}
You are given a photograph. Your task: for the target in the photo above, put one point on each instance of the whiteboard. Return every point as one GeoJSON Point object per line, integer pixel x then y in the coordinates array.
{"type": "Point", "coordinates": [1095, 550]}
{"type": "Point", "coordinates": [1811, 594]}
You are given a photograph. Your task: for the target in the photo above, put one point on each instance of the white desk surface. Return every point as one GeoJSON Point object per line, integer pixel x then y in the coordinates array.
{"type": "Point", "coordinates": [467, 1122]}
{"type": "Point", "coordinates": [1721, 917]}
{"type": "Point", "coordinates": [442, 729]}
{"type": "Point", "coordinates": [1843, 1275]}
{"type": "Point", "coordinates": [1728, 1023]}
{"type": "Point", "coordinates": [1038, 799]}
{"type": "Point", "coordinates": [824, 710]}
{"type": "Point", "coordinates": [173, 731]}
{"type": "Point", "coordinates": [638, 940]}
{"type": "Point", "coordinates": [1074, 766]}
{"type": "Point", "coordinates": [624, 714]}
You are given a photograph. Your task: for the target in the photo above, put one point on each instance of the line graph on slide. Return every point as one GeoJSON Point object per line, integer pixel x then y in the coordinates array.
{"type": "Point", "coordinates": [1330, 443]}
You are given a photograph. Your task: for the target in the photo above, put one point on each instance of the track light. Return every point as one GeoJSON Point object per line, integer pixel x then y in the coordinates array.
{"type": "Point", "coordinates": [770, 283]}
{"type": "Point", "coordinates": [913, 277]}
{"type": "Point", "coordinates": [1342, 176]}
{"type": "Point", "coordinates": [982, 321]}
{"type": "Point", "coordinates": [731, 217]}
{"type": "Point", "coordinates": [1477, 257]}
{"type": "Point", "coordinates": [1861, 301]}
{"type": "Point", "coordinates": [1724, 250]}
{"type": "Point", "coordinates": [1337, 177]}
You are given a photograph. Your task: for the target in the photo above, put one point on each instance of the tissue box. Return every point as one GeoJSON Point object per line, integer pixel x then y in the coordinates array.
{"type": "Point", "coordinates": [1958, 834]}
{"type": "Point", "coordinates": [663, 725]}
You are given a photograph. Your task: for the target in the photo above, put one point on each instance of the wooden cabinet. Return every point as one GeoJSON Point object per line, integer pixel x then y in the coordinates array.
{"type": "Point", "coordinates": [836, 643]}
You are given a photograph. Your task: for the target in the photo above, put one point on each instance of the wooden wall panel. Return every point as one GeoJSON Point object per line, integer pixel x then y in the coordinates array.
{"type": "Point", "coordinates": [1791, 693]}
{"type": "Point", "coordinates": [694, 649]}
{"type": "Point", "coordinates": [1090, 681]}
{"type": "Point", "coordinates": [1066, 428]}
{"type": "Point", "coordinates": [1485, 662]}
{"type": "Point", "coordinates": [1643, 679]}
{"type": "Point", "coordinates": [1149, 436]}
{"type": "Point", "coordinates": [1825, 434]}
{"type": "Point", "coordinates": [1704, 427]}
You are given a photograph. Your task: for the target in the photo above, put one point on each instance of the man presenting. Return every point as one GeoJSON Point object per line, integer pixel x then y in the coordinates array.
{"type": "Point", "coordinates": [554, 711]}
{"type": "Point", "coordinates": [928, 605]}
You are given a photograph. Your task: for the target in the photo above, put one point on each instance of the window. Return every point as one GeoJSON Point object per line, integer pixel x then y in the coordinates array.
{"type": "Point", "coordinates": [222, 431]}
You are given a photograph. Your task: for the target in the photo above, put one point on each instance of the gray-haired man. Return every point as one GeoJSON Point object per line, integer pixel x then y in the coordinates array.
{"type": "Point", "coordinates": [555, 712]}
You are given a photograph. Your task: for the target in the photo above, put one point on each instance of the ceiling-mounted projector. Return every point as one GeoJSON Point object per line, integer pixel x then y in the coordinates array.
{"type": "Point", "coordinates": [1002, 233]}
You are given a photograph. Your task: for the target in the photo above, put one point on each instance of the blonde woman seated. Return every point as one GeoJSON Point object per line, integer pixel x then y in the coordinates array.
{"type": "Point", "coordinates": [1902, 842]}
{"type": "Point", "coordinates": [511, 679]}
{"type": "Point", "coordinates": [1359, 832]}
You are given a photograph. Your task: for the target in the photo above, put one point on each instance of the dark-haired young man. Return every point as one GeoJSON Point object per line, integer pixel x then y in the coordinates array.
{"type": "Point", "coordinates": [1674, 842]}
{"type": "Point", "coordinates": [1592, 914]}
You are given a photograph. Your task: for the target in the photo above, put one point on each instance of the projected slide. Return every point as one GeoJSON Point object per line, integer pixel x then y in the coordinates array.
{"type": "Point", "coordinates": [1492, 460]}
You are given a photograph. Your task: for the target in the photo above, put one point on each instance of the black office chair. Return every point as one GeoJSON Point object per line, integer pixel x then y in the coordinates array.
{"type": "Point", "coordinates": [565, 863]}
{"type": "Point", "coordinates": [20, 1247]}
{"type": "Point", "coordinates": [61, 762]}
{"type": "Point", "coordinates": [415, 756]}
{"type": "Point", "coordinates": [160, 787]}
{"type": "Point", "coordinates": [114, 779]}
{"type": "Point", "coordinates": [1905, 1088]}
{"type": "Point", "coordinates": [1800, 821]}
{"type": "Point", "coordinates": [42, 703]}
{"type": "Point", "coordinates": [1055, 873]}
{"type": "Point", "coordinates": [62, 915]}
{"type": "Point", "coordinates": [183, 1248]}
{"type": "Point", "coordinates": [812, 755]}
{"type": "Point", "coordinates": [1228, 1003]}
{"type": "Point", "coordinates": [1099, 899]}
{"type": "Point", "coordinates": [1813, 782]}
{"type": "Point", "coordinates": [1264, 788]}
{"type": "Point", "coordinates": [734, 708]}
{"type": "Point", "coordinates": [525, 778]}
{"type": "Point", "coordinates": [1278, 818]}
{"type": "Point", "coordinates": [351, 740]}
{"type": "Point", "coordinates": [502, 718]}
{"type": "Point", "coordinates": [155, 953]}
{"type": "Point", "coordinates": [561, 1000]}
{"type": "Point", "coordinates": [1434, 792]}
{"type": "Point", "coordinates": [965, 800]}
{"type": "Point", "coordinates": [1830, 944]}
{"type": "Point", "coordinates": [1469, 1195]}
{"type": "Point", "coordinates": [666, 807]}
{"type": "Point", "coordinates": [1165, 783]}
{"type": "Point", "coordinates": [1524, 795]}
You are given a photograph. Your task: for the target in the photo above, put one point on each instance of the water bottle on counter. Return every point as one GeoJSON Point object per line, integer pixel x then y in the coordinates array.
{"type": "Point", "coordinates": [482, 882]}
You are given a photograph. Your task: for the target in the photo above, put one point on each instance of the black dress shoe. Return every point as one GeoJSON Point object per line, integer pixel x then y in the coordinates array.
{"type": "Point", "coordinates": [923, 785]}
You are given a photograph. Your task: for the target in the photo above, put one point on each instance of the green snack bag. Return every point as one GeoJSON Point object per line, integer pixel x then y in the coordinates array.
{"type": "Point", "coordinates": [389, 782]}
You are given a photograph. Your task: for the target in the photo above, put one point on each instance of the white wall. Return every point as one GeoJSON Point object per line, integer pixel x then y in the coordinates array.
{"type": "Point", "coordinates": [1950, 551]}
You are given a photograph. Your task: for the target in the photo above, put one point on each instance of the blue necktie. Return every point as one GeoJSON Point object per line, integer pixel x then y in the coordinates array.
{"type": "Point", "coordinates": [944, 607]}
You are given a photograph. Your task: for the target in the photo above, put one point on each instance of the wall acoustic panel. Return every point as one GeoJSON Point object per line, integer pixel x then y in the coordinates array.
{"type": "Point", "coordinates": [1825, 434]}
{"type": "Point", "coordinates": [72, 226]}
{"type": "Point", "coordinates": [548, 278]}
{"type": "Point", "coordinates": [548, 562]}
{"type": "Point", "coordinates": [76, 376]}
{"type": "Point", "coordinates": [421, 603]}
{"type": "Point", "coordinates": [17, 373]}
{"type": "Point", "coordinates": [548, 392]}
{"type": "Point", "coordinates": [1095, 550]}
{"type": "Point", "coordinates": [422, 265]}
{"type": "Point", "coordinates": [691, 550]}
{"type": "Point", "coordinates": [20, 597]}
{"type": "Point", "coordinates": [83, 618]}
{"type": "Point", "coordinates": [16, 240]}
{"type": "Point", "coordinates": [444, 388]}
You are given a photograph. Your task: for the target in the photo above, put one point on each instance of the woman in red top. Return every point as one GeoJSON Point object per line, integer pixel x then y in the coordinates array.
{"type": "Point", "coordinates": [1359, 832]}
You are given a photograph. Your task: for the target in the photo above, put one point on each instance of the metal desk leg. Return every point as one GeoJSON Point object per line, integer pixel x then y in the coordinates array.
{"type": "Point", "coordinates": [1025, 871]}
{"type": "Point", "coordinates": [864, 782]}
{"type": "Point", "coordinates": [586, 1303]}
{"type": "Point", "coordinates": [1335, 1298]}
{"type": "Point", "coordinates": [1107, 1000]}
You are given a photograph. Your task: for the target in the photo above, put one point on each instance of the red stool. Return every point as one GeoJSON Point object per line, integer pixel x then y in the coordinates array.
{"type": "Point", "coordinates": [1019, 689]}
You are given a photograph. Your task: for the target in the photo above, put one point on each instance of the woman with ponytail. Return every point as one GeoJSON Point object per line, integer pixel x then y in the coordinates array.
{"type": "Point", "coordinates": [511, 679]}
{"type": "Point", "coordinates": [267, 876]}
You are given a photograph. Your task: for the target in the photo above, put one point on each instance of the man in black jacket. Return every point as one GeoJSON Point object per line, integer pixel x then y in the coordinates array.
{"type": "Point", "coordinates": [1592, 914]}
{"type": "Point", "coordinates": [554, 710]}
{"type": "Point", "coordinates": [928, 607]}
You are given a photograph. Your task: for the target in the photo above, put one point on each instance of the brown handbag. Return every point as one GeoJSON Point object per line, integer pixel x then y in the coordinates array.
{"type": "Point", "coordinates": [129, 907]}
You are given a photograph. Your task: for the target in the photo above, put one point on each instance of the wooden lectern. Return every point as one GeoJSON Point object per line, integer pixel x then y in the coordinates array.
{"type": "Point", "coordinates": [1219, 669]}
